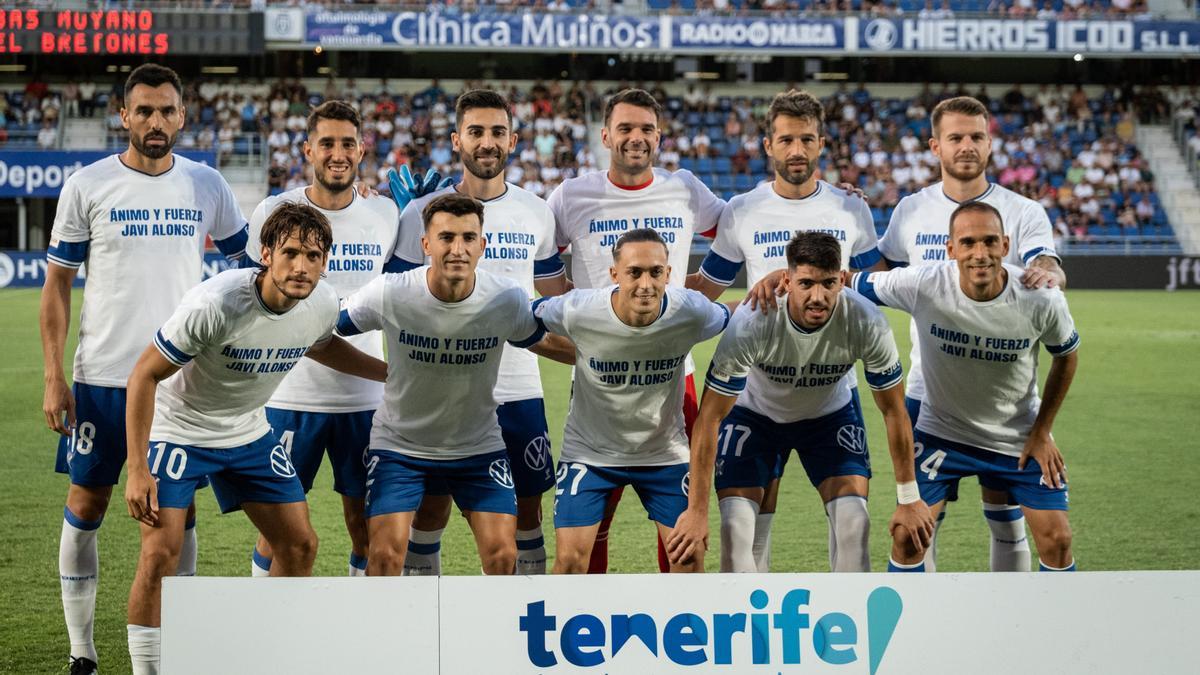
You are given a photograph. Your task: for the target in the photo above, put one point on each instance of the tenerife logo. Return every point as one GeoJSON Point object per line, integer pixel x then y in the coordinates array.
{"type": "Point", "coordinates": [500, 473]}
{"type": "Point", "coordinates": [281, 463]}
{"type": "Point", "coordinates": [537, 452]}
{"type": "Point", "coordinates": [587, 640]}
{"type": "Point", "coordinates": [852, 438]}
{"type": "Point", "coordinates": [881, 35]}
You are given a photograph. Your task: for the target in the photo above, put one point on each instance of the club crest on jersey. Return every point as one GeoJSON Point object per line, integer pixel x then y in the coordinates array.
{"type": "Point", "coordinates": [500, 473]}
{"type": "Point", "coordinates": [537, 452]}
{"type": "Point", "coordinates": [852, 438]}
{"type": "Point", "coordinates": [281, 464]}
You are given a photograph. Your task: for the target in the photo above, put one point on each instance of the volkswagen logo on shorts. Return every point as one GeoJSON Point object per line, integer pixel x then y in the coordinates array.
{"type": "Point", "coordinates": [852, 438]}
{"type": "Point", "coordinates": [686, 483]}
{"type": "Point", "coordinates": [500, 473]}
{"type": "Point", "coordinates": [281, 464]}
{"type": "Point", "coordinates": [537, 453]}
{"type": "Point", "coordinates": [880, 35]}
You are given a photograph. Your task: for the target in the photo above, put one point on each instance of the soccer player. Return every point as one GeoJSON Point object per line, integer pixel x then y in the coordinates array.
{"type": "Point", "coordinates": [917, 236]}
{"type": "Point", "coordinates": [626, 424]}
{"type": "Point", "coordinates": [445, 325]}
{"type": "Point", "coordinates": [593, 210]}
{"type": "Point", "coordinates": [520, 246]}
{"type": "Point", "coordinates": [318, 411]}
{"type": "Point", "coordinates": [755, 229]}
{"type": "Point", "coordinates": [778, 380]}
{"type": "Point", "coordinates": [218, 359]}
{"type": "Point", "coordinates": [138, 219]}
{"type": "Point", "coordinates": [978, 330]}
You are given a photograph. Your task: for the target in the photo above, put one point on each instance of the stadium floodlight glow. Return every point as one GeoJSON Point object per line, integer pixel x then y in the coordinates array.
{"type": "Point", "coordinates": [1078, 57]}
{"type": "Point", "coordinates": [12, 67]}
{"type": "Point", "coordinates": [219, 70]}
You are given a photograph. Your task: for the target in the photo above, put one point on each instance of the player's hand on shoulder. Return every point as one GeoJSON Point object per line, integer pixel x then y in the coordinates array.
{"type": "Point", "coordinates": [915, 522]}
{"type": "Point", "coordinates": [689, 538]}
{"type": "Point", "coordinates": [141, 496]}
{"type": "Point", "coordinates": [763, 295]}
{"type": "Point", "coordinates": [852, 189]}
{"type": "Point", "coordinates": [1043, 450]}
{"type": "Point", "coordinates": [1038, 277]}
{"type": "Point", "coordinates": [365, 190]}
{"type": "Point", "coordinates": [58, 404]}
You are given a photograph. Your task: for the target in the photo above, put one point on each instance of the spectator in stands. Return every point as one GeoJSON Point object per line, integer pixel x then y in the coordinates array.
{"type": "Point", "coordinates": [48, 135]}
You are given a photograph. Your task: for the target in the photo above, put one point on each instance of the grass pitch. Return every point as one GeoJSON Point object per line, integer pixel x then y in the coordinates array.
{"type": "Point", "coordinates": [1129, 432]}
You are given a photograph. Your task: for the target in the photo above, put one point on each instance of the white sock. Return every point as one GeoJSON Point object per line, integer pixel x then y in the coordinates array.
{"type": "Point", "coordinates": [144, 644]}
{"type": "Point", "coordinates": [358, 565]}
{"type": "Point", "coordinates": [849, 529]}
{"type": "Point", "coordinates": [762, 541]}
{"type": "Point", "coordinates": [424, 556]}
{"type": "Point", "coordinates": [531, 551]}
{"type": "Point", "coordinates": [260, 565]}
{"type": "Point", "coordinates": [79, 571]}
{"type": "Point", "coordinates": [187, 554]}
{"type": "Point", "coordinates": [1010, 546]}
{"type": "Point", "coordinates": [931, 551]}
{"type": "Point", "coordinates": [738, 530]}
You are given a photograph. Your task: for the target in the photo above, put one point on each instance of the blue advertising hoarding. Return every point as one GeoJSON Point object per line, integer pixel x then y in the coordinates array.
{"type": "Point", "coordinates": [41, 173]}
{"type": "Point", "coordinates": [1018, 36]}
{"type": "Point", "coordinates": [27, 269]}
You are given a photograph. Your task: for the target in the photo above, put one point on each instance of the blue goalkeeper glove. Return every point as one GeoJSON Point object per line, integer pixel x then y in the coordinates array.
{"type": "Point", "coordinates": [406, 187]}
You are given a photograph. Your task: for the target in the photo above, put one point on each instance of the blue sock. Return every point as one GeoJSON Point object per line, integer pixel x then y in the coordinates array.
{"type": "Point", "coordinates": [358, 565]}
{"type": "Point", "coordinates": [260, 565]}
{"type": "Point", "coordinates": [894, 566]}
{"type": "Point", "coordinates": [1043, 567]}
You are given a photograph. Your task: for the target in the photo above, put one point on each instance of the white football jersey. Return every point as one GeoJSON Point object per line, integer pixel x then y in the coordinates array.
{"type": "Point", "coordinates": [627, 391]}
{"type": "Point", "coordinates": [755, 229]}
{"type": "Point", "coordinates": [920, 227]}
{"type": "Point", "coordinates": [443, 360]}
{"type": "Point", "coordinates": [364, 234]}
{"type": "Point", "coordinates": [592, 213]}
{"type": "Point", "coordinates": [233, 352]}
{"type": "Point", "coordinates": [519, 229]}
{"type": "Point", "coordinates": [142, 240]}
{"type": "Point", "coordinates": [778, 369]}
{"type": "Point", "coordinates": [980, 357]}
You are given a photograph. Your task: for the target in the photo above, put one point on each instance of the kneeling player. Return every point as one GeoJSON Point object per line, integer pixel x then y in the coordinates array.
{"type": "Point", "coordinates": [978, 332]}
{"type": "Point", "coordinates": [445, 325]}
{"type": "Point", "coordinates": [220, 357]}
{"type": "Point", "coordinates": [626, 425]}
{"type": "Point", "coordinates": [781, 380]}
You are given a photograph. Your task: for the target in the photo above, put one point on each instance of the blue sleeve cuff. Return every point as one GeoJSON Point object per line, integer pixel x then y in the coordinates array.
{"type": "Point", "coordinates": [532, 340]}
{"type": "Point", "coordinates": [1041, 250]}
{"type": "Point", "coordinates": [171, 352]}
{"type": "Point", "coordinates": [398, 265]}
{"type": "Point", "coordinates": [533, 307]}
{"type": "Point", "coordinates": [1065, 348]}
{"type": "Point", "coordinates": [862, 284]}
{"type": "Point", "coordinates": [732, 387]}
{"type": "Point", "coordinates": [719, 270]}
{"type": "Point", "coordinates": [345, 325]}
{"type": "Point", "coordinates": [887, 379]}
{"type": "Point", "coordinates": [69, 254]}
{"type": "Point", "coordinates": [894, 264]}
{"type": "Point", "coordinates": [865, 259]}
{"type": "Point", "coordinates": [549, 268]}
{"type": "Point", "coordinates": [233, 247]}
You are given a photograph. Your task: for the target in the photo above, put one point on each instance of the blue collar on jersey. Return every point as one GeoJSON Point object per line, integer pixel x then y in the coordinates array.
{"type": "Point", "coordinates": [988, 191]}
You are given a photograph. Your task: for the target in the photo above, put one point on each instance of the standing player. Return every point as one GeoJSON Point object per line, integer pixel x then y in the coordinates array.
{"type": "Point", "coordinates": [445, 325]}
{"type": "Point", "coordinates": [316, 410]}
{"type": "Point", "coordinates": [218, 358]}
{"type": "Point", "coordinates": [788, 372]}
{"type": "Point", "coordinates": [978, 331]}
{"type": "Point", "coordinates": [520, 246]}
{"type": "Point", "coordinates": [593, 210]}
{"type": "Point", "coordinates": [138, 220]}
{"type": "Point", "coordinates": [626, 425]}
{"type": "Point", "coordinates": [755, 229]}
{"type": "Point", "coordinates": [917, 236]}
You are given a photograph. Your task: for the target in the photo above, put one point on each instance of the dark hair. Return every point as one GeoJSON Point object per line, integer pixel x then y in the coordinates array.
{"type": "Point", "coordinates": [799, 104]}
{"type": "Point", "coordinates": [480, 98]}
{"type": "Point", "coordinates": [816, 249]}
{"type": "Point", "coordinates": [333, 110]}
{"type": "Point", "coordinates": [301, 220]}
{"type": "Point", "coordinates": [635, 236]}
{"type": "Point", "coordinates": [959, 105]}
{"type": "Point", "coordinates": [639, 97]}
{"type": "Point", "coordinates": [454, 204]}
{"type": "Point", "coordinates": [976, 207]}
{"type": "Point", "coordinates": [152, 75]}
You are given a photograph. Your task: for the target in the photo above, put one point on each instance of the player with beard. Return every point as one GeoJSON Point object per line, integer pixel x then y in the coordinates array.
{"type": "Point", "coordinates": [917, 236]}
{"type": "Point", "coordinates": [592, 211]}
{"type": "Point", "coordinates": [317, 411]}
{"type": "Point", "coordinates": [519, 229]}
{"type": "Point", "coordinates": [139, 220]}
{"type": "Point", "coordinates": [754, 230]}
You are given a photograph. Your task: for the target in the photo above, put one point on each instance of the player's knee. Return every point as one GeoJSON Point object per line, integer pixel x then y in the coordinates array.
{"type": "Point", "coordinates": [389, 553]}
{"type": "Point", "coordinates": [159, 559]}
{"type": "Point", "coordinates": [299, 550]}
{"type": "Point", "coordinates": [499, 557]}
{"type": "Point", "coordinates": [1057, 539]}
{"type": "Point", "coordinates": [904, 547]}
{"type": "Point", "coordinates": [88, 503]}
{"type": "Point", "coordinates": [570, 561]}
